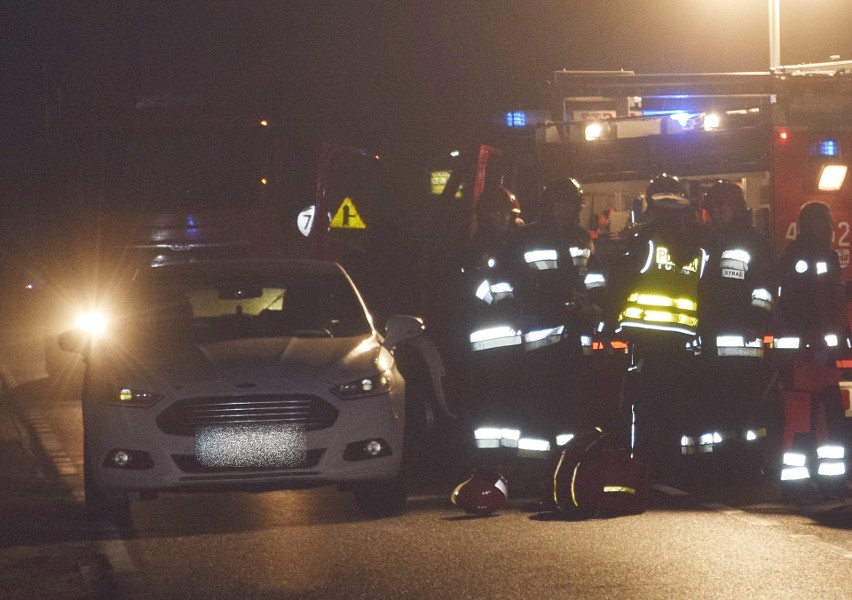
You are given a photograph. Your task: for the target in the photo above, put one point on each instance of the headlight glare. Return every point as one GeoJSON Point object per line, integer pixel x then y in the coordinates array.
{"type": "Point", "coordinates": [92, 322]}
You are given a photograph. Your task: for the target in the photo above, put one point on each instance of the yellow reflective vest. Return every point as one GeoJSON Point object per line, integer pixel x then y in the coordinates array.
{"type": "Point", "coordinates": [666, 295]}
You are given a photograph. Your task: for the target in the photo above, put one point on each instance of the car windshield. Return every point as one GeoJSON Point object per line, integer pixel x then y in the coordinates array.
{"type": "Point", "coordinates": [210, 307]}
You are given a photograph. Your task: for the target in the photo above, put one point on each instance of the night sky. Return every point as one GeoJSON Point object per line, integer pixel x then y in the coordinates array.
{"type": "Point", "coordinates": [405, 77]}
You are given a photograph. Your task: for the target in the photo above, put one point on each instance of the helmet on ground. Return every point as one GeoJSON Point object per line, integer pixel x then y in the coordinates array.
{"type": "Point", "coordinates": [664, 186]}
{"type": "Point", "coordinates": [482, 494]}
{"type": "Point", "coordinates": [726, 193]}
{"type": "Point", "coordinates": [497, 199]}
{"type": "Point", "coordinates": [562, 191]}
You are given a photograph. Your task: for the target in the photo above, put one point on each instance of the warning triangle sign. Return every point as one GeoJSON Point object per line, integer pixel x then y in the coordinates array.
{"type": "Point", "coordinates": [347, 216]}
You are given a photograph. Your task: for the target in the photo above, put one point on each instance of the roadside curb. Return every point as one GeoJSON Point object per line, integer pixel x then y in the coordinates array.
{"type": "Point", "coordinates": [17, 430]}
{"type": "Point", "coordinates": [47, 549]}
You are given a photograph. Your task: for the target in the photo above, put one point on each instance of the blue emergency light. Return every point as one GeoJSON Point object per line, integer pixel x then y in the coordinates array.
{"type": "Point", "coordinates": [682, 117]}
{"type": "Point", "coordinates": [516, 119]}
{"type": "Point", "coordinates": [826, 148]}
{"type": "Point", "coordinates": [192, 231]}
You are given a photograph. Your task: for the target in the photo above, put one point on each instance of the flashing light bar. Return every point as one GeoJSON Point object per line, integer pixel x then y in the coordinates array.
{"type": "Point", "coordinates": [682, 117]}
{"type": "Point", "coordinates": [825, 148]}
{"type": "Point", "coordinates": [516, 119]}
{"type": "Point", "coordinates": [673, 113]}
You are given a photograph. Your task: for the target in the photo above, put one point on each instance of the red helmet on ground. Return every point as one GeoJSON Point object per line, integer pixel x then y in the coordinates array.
{"type": "Point", "coordinates": [482, 494]}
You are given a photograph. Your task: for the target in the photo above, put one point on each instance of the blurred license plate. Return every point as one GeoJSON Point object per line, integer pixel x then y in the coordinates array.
{"type": "Point", "coordinates": [255, 445]}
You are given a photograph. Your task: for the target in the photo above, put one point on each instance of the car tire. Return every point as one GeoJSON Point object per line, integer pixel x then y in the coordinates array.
{"type": "Point", "coordinates": [104, 506]}
{"type": "Point", "coordinates": [382, 498]}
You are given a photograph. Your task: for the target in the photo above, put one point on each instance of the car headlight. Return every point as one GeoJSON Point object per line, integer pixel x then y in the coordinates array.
{"type": "Point", "coordinates": [373, 385]}
{"type": "Point", "coordinates": [134, 397]}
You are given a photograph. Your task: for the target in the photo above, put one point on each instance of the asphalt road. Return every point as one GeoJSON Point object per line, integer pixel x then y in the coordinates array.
{"type": "Point", "coordinates": [710, 539]}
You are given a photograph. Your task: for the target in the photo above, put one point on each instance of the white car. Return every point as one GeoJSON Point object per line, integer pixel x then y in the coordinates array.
{"type": "Point", "coordinates": [242, 375]}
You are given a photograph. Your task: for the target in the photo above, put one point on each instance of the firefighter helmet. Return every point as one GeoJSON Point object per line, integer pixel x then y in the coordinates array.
{"type": "Point", "coordinates": [816, 222]}
{"type": "Point", "coordinates": [665, 187]}
{"type": "Point", "coordinates": [482, 494]}
{"type": "Point", "coordinates": [497, 199]}
{"type": "Point", "coordinates": [562, 191]}
{"type": "Point", "coordinates": [726, 193]}
{"type": "Point", "coordinates": [667, 196]}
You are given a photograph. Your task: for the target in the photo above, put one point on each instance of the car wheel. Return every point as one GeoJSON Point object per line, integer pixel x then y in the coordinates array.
{"type": "Point", "coordinates": [382, 498]}
{"type": "Point", "coordinates": [419, 428]}
{"type": "Point", "coordinates": [104, 506]}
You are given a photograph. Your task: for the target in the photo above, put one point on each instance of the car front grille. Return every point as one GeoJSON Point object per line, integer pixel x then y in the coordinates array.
{"type": "Point", "coordinates": [185, 417]}
{"type": "Point", "coordinates": [189, 464]}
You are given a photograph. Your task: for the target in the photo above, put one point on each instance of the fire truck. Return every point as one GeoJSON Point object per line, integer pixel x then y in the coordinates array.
{"type": "Point", "coordinates": [784, 136]}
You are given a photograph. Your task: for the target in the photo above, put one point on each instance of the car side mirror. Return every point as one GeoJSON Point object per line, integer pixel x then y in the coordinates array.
{"type": "Point", "coordinates": [75, 340]}
{"type": "Point", "coordinates": [400, 328]}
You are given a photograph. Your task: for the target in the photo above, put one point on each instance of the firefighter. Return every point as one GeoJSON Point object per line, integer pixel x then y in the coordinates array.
{"type": "Point", "coordinates": [735, 304]}
{"type": "Point", "coordinates": [657, 313]}
{"type": "Point", "coordinates": [478, 321]}
{"type": "Point", "coordinates": [813, 328]}
{"type": "Point", "coordinates": [475, 289]}
{"type": "Point", "coordinates": [556, 256]}
{"type": "Point", "coordinates": [558, 273]}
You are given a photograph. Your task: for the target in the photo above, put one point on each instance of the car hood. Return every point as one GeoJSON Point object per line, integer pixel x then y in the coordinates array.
{"type": "Point", "coordinates": [255, 361]}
